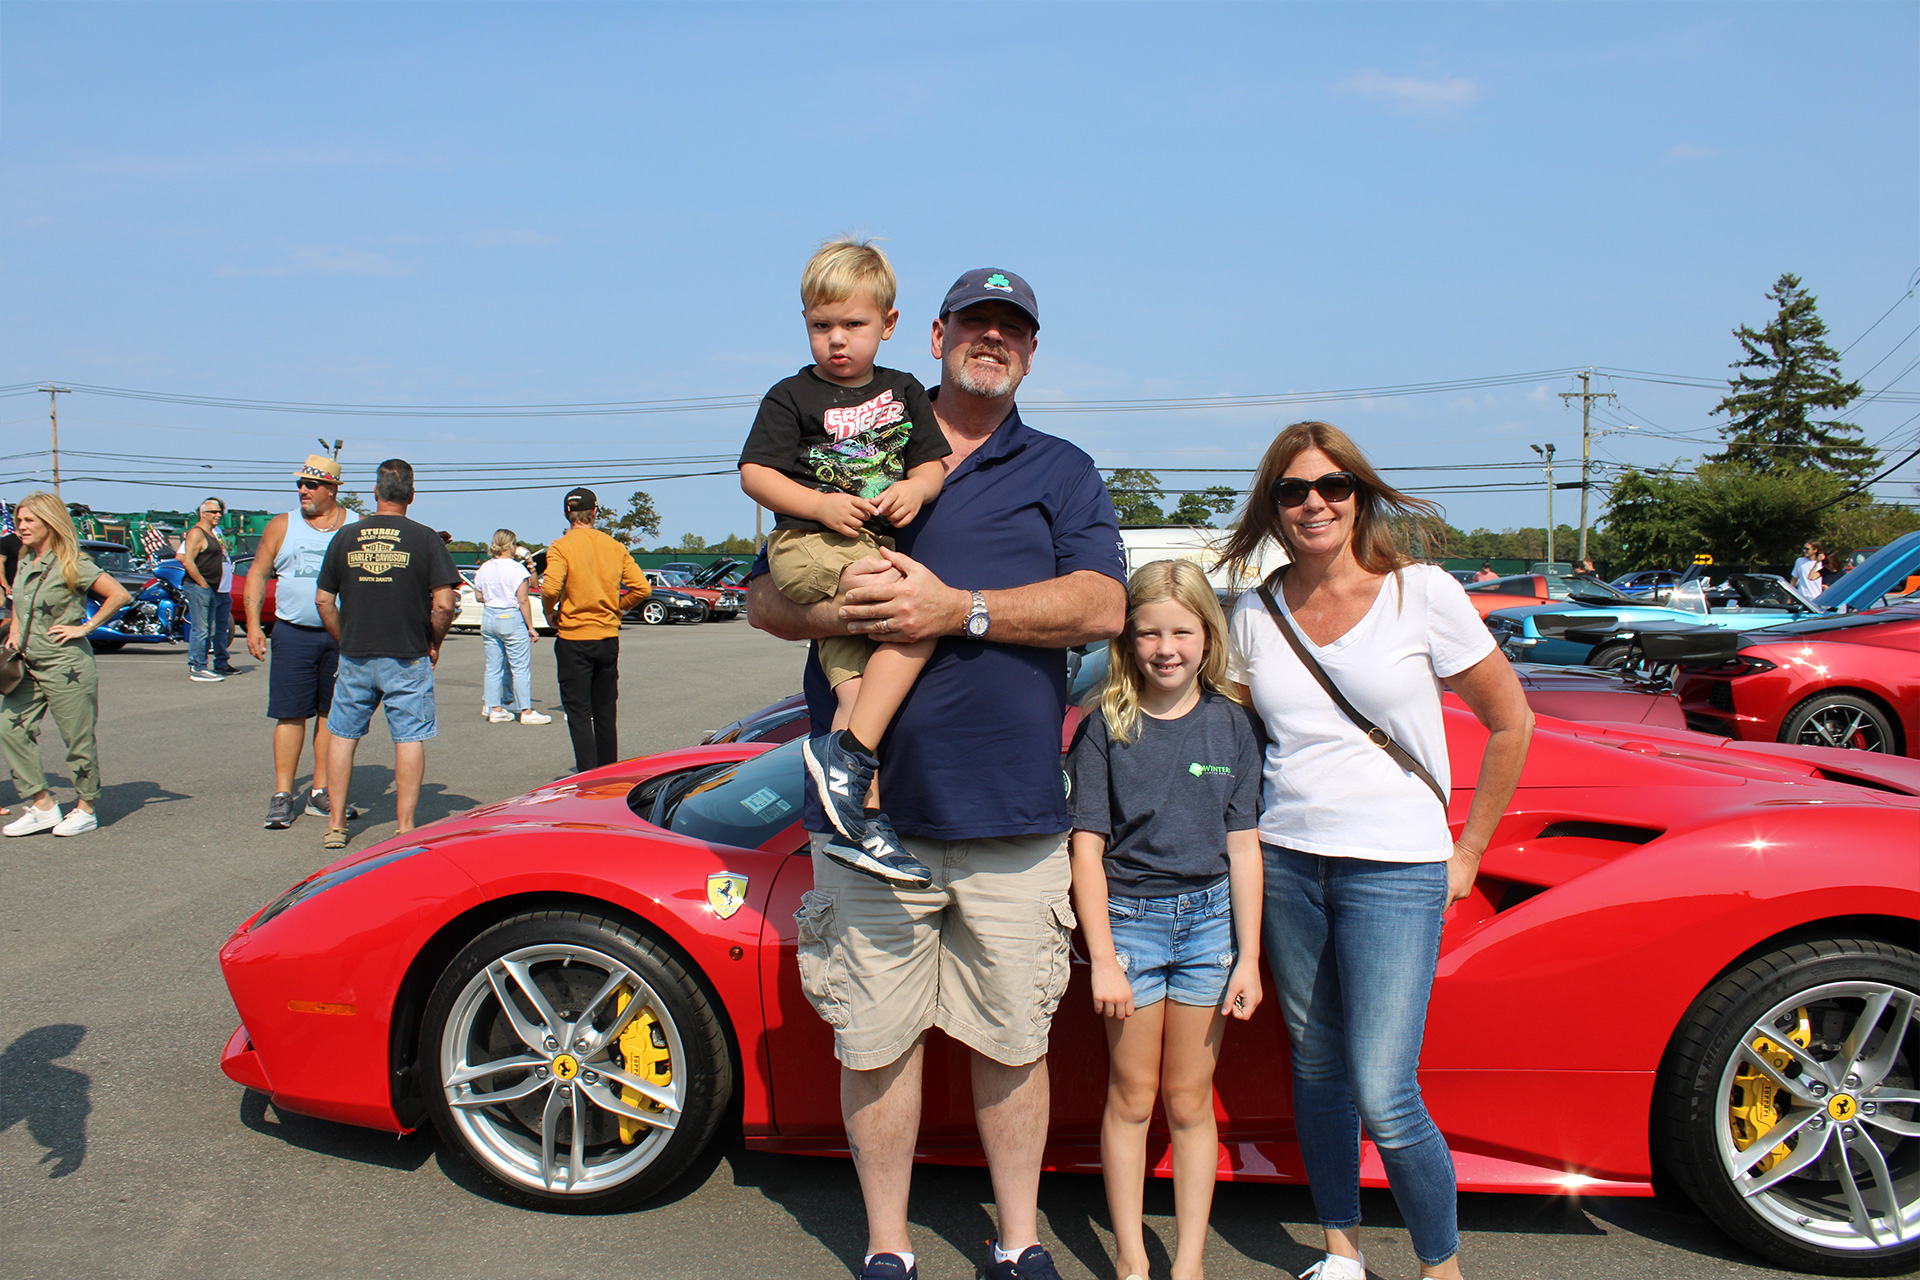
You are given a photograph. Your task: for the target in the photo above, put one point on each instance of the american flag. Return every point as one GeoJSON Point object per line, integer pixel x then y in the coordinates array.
{"type": "Point", "coordinates": [6, 517]}
{"type": "Point", "coordinates": [153, 542]}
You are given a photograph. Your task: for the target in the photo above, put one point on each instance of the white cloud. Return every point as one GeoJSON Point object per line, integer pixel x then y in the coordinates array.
{"type": "Point", "coordinates": [246, 162]}
{"type": "Point", "coordinates": [1412, 95]}
{"type": "Point", "coordinates": [311, 260]}
{"type": "Point", "coordinates": [1691, 151]}
{"type": "Point", "coordinates": [510, 239]}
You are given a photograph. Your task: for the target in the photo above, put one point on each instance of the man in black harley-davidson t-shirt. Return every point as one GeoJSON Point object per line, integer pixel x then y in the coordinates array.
{"type": "Point", "coordinates": [386, 593]}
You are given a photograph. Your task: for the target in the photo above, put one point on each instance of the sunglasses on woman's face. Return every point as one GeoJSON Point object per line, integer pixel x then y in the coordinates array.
{"type": "Point", "coordinates": [1335, 486]}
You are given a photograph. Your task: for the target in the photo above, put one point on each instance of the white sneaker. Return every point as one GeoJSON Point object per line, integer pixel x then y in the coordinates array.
{"type": "Point", "coordinates": [33, 821]}
{"type": "Point", "coordinates": [499, 715]}
{"type": "Point", "coordinates": [1335, 1267]}
{"type": "Point", "coordinates": [530, 716]}
{"type": "Point", "coordinates": [77, 823]}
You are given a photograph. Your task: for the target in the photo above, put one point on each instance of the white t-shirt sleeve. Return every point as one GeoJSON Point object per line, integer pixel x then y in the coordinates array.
{"type": "Point", "coordinates": [1459, 637]}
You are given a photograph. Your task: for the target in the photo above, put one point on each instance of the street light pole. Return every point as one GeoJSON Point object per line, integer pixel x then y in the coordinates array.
{"type": "Point", "coordinates": [1547, 454]}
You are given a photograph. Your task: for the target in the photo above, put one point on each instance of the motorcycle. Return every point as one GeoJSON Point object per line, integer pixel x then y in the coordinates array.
{"type": "Point", "coordinates": [157, 614]}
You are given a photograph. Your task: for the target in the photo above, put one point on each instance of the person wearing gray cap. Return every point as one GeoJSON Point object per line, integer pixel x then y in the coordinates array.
{"type": "Point", "coordinates": [591, 581]}
{"type": "Point", "coordinates": [1025, 533]}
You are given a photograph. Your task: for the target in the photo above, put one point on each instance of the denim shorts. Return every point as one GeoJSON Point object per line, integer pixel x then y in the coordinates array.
{"type": "Point", "coordinates": [404, 685]}
{"type": "Point", "coordinates": [1180, 947]}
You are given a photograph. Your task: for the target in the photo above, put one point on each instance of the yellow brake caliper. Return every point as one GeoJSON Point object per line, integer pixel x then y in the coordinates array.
{"type": "Point", "coordinates": [643, 1053]}
{"type": "Point", "coordinates": [1755, 1103]}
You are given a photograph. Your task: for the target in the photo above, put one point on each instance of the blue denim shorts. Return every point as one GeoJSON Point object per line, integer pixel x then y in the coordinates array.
{"type": "Point", "coordinates": [1180, 947]}
{"type": "Point", "coordinates": [404, 685]}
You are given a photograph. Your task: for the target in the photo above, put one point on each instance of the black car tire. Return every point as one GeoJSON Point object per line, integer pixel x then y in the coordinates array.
{"type": "Point", "coordinates": [653, 612]}
{"type": "Point", "coordinates": [701, 612]}
{"type": "Point", "coordinates": [1803, 1219]}
{"type": "Point", "coordinates": [1819, 720]}
{"type": "Point", "coordinates": [1610, 656]}
{"type": "Point", "coordinates": [106, 646]}
{"type": "Point", "coordinates": [527, 1147]}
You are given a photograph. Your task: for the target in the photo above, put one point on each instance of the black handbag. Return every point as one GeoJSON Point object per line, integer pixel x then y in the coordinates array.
{"type": "Point", "coordinates": [1375, 734]}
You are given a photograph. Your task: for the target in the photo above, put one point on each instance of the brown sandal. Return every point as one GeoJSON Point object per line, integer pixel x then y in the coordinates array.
{"type": "Point", "coordinates": [336, 838]}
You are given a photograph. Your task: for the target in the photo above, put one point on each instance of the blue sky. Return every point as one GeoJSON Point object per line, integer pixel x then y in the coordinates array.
{"type": "Point", "coordinates": [484, 205]}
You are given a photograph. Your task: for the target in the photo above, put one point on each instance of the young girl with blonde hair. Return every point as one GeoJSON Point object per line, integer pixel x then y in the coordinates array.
{"type": "Point", "coordinates": [1166, 878]}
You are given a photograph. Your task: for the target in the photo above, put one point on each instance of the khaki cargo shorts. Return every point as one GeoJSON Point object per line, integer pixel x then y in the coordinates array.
{"type": "Point", "coordinates": [982, 953]}
{"type": "Point", "coordinates": [806, 565]}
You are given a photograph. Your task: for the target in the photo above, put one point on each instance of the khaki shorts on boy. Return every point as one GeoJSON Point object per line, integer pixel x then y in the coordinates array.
{"type": "Point", "coordinates": [806, 565]}
{"type": "Point", "coordinates": [982, 953]}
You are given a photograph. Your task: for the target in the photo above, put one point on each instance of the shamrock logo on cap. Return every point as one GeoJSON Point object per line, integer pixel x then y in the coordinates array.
{"type": "Point", "coordinates": [998, 281]}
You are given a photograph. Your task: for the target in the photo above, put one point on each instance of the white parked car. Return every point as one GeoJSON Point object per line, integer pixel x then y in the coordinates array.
{"type": "Point", "coordinates": [468, 617]}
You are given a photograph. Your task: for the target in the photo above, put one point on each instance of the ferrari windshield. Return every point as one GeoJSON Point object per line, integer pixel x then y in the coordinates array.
{"type": "Point", "coordinates": [743, 804]}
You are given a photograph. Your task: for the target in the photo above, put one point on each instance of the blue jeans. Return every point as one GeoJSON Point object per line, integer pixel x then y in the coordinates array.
{"type": "Point", "coordinates": [508, 644]}
{"type": "Point", "coordinates": [1179, 947]}
{"type": "Point", "coordinates": [1353, 945]}
{"type": "Point", "coordinates": [209, 626]}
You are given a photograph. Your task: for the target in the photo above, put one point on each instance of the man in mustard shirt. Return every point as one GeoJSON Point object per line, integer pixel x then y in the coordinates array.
{"type": "Point", "coordinates": [591, 581]}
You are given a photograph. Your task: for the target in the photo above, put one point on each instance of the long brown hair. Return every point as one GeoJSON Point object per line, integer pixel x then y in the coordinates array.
{"type": "Point", "coordinates": [1378, 506]}
{"type": "Point", "coordinates": [1184, 583]}
{"type": "Point", "coordinates": [61, 537]}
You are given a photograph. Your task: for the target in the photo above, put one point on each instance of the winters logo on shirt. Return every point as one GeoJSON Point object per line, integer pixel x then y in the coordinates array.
{"type": "Point", "coordinates": [1199, 770]}
{"type": "Point", "coordinates": [868, 442]}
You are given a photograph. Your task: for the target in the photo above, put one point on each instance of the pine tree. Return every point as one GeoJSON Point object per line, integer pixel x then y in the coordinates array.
{"type": "Point", "coordinates": [1788, 372]}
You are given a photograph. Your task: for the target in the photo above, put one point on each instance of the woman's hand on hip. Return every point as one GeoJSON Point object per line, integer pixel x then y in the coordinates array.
{"type": "Point", "coordinates": [66, 634]}
{"type": "Point", "coordinates": [1462, 867]}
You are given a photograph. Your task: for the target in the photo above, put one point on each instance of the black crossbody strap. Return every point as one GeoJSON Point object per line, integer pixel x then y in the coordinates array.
{"type": "Point", "coordinates": [1375, 734]}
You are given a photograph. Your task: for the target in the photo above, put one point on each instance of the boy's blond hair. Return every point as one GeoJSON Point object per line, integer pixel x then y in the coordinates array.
{"type": "Point", "coordinates": [841, 268]}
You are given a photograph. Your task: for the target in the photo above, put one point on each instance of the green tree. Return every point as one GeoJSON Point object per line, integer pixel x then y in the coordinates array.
{"type": "Point", "coordinates": [1731, 512]}
{"type": "Point", "coordinates": [1200, 508]}
{"type": "Point", "coordinates": [1848, 528]}
{"type": "Point", "coordinates": [1136, 495]}
{"type": "Point", "coordinates": [1787, 375]}
{"type": "Point", "coordinates": [354, 502]}
{"type": "Point", "coordinates": [639, 520]}
{"type": "Point", "coordinates": [692, 544]}
{"type": "Point", "coordinates": [736, 545]}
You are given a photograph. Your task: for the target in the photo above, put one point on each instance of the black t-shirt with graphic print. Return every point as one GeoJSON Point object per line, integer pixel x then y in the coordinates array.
{"type": "Point", "coordinates": [384, 569]}
{"type": "Point", "coordinates": [856, 440]}
{"type": "Point", "coordinates": [1167, 799]}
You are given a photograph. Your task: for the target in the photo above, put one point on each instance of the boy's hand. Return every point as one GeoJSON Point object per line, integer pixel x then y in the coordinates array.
{"type": "Point", "coordinates": [843, 513]}
{"type": "Point", "coordinates": [900, 502]}
{"type": "Point", "coordinates": [1112, 993]}
{"type": "Point", "coordinates": [1243, 991]}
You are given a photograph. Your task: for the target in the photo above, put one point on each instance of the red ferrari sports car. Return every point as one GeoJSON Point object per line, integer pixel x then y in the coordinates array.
{"type": "Point", "coordinates": [1849, 680]}
{"type": "Point", "coordinates": [1683, 954]}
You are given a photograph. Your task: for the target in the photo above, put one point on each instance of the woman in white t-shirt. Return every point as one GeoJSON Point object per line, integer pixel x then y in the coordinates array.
{"type": "Point", "coordinates": [506, 629]}
{"type": "Point", "coordinates": [1360, 864]}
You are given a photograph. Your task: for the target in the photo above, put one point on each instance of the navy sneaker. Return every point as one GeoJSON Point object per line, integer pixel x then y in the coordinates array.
{"type": "Point", "coordinates": [843, 772]}
{"type": "Point", "coordinates": [317, 805]}
{"type": "Point", "coordinates": [879, 853]}
{"type": "Point", "coordinates": [887, 1266]}
{"type": "Point", "coordinates": [1034, 1263]}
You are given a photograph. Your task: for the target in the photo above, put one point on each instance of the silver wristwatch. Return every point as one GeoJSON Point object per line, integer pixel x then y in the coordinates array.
{"type": "Point", "coordinates": [977, 620]}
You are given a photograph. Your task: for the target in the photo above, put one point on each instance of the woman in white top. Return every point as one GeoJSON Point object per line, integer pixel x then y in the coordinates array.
{"type": "Point", "coordinates": [506, 629]}
{"type": "Point", "coordinates": [1360, 863]}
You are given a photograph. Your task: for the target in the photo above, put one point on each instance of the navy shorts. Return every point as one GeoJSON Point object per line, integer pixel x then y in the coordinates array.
{"type": "Point", "coordinates": [300, 675]}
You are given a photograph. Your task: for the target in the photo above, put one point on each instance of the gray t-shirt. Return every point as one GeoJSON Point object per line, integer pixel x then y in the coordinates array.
{"type": "Point", "coordinates": [1166, 800]}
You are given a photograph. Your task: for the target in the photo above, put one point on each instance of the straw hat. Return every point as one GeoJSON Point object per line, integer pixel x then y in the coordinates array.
{"type": "Point", "coordinates": [319, 467]}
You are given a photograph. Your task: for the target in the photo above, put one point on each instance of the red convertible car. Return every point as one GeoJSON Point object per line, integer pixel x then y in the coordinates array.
{"type": "Point", "coordinates": [1684, 956]}
{"type": "Point", "coordinates": [1849, 680]}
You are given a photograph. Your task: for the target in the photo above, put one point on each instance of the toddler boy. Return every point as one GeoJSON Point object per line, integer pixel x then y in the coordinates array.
{"type": "Point", "coordinates": [843, 453]}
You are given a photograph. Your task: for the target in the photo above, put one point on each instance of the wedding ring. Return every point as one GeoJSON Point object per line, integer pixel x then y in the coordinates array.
{"type": "Point", "coordinates": [886, 624]}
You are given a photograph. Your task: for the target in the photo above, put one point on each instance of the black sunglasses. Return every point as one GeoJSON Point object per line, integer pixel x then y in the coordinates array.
{"type": "Point", "coordinates": [1335, 486]}
{"type": "Point", "coordinates": [308, 484]}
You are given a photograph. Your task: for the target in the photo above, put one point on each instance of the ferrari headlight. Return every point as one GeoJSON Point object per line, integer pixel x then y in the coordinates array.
{"type": "Point", "coordinates": [320, 884]}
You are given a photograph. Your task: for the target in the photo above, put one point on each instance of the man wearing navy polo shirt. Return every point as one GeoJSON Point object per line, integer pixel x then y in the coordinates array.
{"type": "Point", "coordinates": [1017, 559]}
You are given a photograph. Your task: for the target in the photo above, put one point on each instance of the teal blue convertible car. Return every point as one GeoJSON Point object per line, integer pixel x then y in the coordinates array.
{"type": "Point", "coordinates": [1739, 602]}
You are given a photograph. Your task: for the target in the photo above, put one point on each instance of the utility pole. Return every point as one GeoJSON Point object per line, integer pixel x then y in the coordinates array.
{"type": "Point", "coordinates": [53, 416]}
{"type": "Point", "coordinates": [1547, 453]}
{"type": "Point", "coordinates": [1587, 397]}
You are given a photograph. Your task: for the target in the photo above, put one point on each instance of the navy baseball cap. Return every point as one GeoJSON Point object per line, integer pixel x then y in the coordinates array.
{"type": "Point", "coordinates": [581, 499]}
{"type": "Point", "coordinates": [987, 285]}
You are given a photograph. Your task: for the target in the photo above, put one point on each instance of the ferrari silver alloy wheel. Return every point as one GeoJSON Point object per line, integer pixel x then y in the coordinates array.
{"type": "Point", "coordinates": [537, 1080]}
{"type": "Point", "coordinates": [1819, 1114]}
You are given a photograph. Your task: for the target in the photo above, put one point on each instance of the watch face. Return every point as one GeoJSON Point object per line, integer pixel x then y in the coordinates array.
{"type": "Point", "coordinates": [976, 625]}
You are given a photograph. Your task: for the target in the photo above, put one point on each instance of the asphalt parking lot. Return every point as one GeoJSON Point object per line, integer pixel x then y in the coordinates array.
{"type": "Point", "coordinates": [125, 1152]}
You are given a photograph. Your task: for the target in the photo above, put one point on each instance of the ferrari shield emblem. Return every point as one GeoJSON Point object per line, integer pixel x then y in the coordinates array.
{"type": "Point", "coordinates": [726, 893]}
